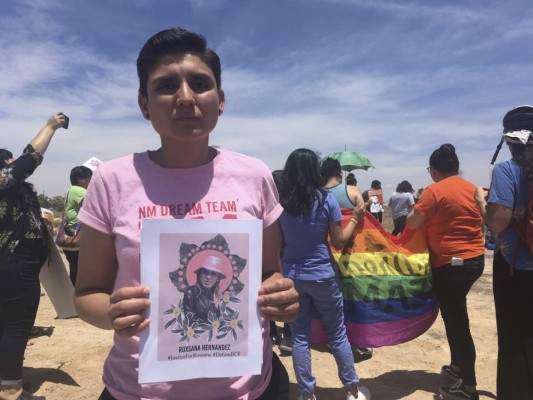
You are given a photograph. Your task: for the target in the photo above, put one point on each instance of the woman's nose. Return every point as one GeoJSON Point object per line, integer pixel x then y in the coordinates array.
{"type": "Point", "coordinates": [185, 95]}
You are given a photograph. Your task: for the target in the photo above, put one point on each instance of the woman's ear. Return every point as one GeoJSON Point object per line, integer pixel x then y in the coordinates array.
{"type": "Point", "coordinates": [143, 106]}
{"type": "Point", "coordinates": [221, 101]}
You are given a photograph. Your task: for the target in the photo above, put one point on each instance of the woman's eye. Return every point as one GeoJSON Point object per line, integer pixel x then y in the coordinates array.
{"type": "Point", "coordinates": [200, 85]}
{"type": "Point", "coordinates": [166, 87]}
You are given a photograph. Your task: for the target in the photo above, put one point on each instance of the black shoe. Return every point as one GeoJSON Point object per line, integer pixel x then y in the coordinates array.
{"type": "Point", "coordinates": [448, 372]}
{"type": "Point", "coordinates": [457, 392]}
{"type": "Point", "coordinates": [285, 346]}
{"type": "Point", "coordinates": [28, 396]}
{"type": "Point", "coordinates": [362, 353]}
{"type": "Point", "coordinates": [274, 335]}
{"type": "Point", "coordinates": [275, 340]}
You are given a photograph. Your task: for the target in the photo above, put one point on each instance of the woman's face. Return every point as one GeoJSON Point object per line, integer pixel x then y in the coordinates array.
{"type": "Point", "coordinates": [183, 100]}
{"type": "Point", "coordinates": [207, 278]}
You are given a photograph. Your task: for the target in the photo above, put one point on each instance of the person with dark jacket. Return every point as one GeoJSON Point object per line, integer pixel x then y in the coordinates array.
{"type": "Point", "coordinates": [23, 250]}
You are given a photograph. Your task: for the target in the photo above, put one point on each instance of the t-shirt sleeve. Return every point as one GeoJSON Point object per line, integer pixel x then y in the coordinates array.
{"type": "Point", "coordinates": [74, 199]}
{"type": "Point", "coordinates": [21, 168]}
{"type": "Point", "coordinates": [77, 193]}
{"type": "Point", "coordinates": [272, 209]}
{"type": "Point", "coordinates": [427, 205]}
{"type": "Point", "coordinates": [96, 209]}
{"type": "Point", "coordinates": [335, 210]}
{"type": "Point", "coordinates": [411, 199]}
{"type": "Point", "coordinates": [502, 187]}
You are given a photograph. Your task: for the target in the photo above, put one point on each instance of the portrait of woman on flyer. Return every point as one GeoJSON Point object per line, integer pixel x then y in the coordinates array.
{"type": "Point", "coordinates": [204, 296]}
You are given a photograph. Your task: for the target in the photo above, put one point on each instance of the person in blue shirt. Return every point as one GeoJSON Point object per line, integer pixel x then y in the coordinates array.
{"type": "Point", "coordinates": [513, 263]}
{"type": "Point", "coordinates": [310, 214]}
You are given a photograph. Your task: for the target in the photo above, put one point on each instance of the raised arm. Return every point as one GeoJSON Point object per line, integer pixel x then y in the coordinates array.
{"type": "Point", "coordinates": [42, 139]}
{"type": "Point", "coordinates": [22, 167]}
{"type": "Point", "coordinates": [340, 236]}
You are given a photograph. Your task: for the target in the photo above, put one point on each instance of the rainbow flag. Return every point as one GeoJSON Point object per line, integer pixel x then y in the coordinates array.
{"type": "Point", "coordinates": [387, 286]}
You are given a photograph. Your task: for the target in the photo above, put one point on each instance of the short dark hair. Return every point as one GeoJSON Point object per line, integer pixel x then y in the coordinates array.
{"type": "Point", "coordinates": [404, 187]}
{"type": "Point", "coordinates": [444, 159]}
{"type": "Point", "coordinates": [330, 168]}
{"type": "Point", "coordinates": [175, 41]}
{"type": "Point", "coordinates": [4, 156]}
{"type": "Point", "coordinates": [375, 184]}
{"type": "Point", "coordinates": [79, 172]}
{"type": "Point", "coordinates": [351, 180]}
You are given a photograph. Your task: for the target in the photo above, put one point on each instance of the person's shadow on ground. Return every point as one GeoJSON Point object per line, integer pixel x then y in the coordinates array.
{"type": "Point", "coordinates": [394, 385]}
{"type": "Point", "coordinates": [35, 377]}
{"type": "Point", "coordinates": [398, 384]}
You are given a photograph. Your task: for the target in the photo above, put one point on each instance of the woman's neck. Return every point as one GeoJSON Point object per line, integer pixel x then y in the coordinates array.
{"type": "Point", "coordinates": [439, 176]}
{"type": "Point", "coordinates": [183, 155]}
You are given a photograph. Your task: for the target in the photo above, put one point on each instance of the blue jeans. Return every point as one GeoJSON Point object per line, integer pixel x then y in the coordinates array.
{"type": "Point", "coordinates": [20, 292]}
{"type": "Point", "coordinates": [452, 284]}
{"type": "Point", "coordinates": [325, 297]}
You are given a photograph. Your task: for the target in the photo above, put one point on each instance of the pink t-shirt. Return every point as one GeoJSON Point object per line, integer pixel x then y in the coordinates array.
{"type": "Point", "coordinates": [124, 191]}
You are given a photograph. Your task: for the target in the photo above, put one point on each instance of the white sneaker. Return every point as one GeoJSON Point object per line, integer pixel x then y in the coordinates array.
{"type": "Point", "coordinates": [364, 394]}
{"type": "Point", "coordinates": [300, 397]}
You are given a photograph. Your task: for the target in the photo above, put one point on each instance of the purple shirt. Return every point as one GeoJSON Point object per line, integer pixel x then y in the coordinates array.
{"type": "Point", "coordinates": [306, 253]}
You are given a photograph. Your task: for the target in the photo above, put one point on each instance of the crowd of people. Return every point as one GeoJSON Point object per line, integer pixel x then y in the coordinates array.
{"type": "Point", "coordinates": [181, 96]}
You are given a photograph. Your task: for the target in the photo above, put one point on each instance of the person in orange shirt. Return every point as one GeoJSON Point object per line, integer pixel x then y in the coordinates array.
{"type": "Point", "coordinates": [452, 211]}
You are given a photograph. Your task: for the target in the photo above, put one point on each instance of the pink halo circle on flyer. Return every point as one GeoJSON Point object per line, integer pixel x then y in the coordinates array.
{"type": "Point", "coordinates": [198, 259]}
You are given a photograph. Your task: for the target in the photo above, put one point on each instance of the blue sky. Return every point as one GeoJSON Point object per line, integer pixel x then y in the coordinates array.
{"type": "Point", "coordinates": [391, 79]}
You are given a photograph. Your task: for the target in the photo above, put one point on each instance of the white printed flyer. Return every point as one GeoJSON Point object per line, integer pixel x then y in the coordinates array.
{"type": "Point", "coordinates": [204, 276]}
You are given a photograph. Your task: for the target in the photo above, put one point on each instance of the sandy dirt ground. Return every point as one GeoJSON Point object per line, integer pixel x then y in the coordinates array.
{"type": "Point", "coordinates": [68, 364]}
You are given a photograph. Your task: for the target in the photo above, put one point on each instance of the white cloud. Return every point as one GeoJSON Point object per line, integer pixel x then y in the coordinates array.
{"type": "Point", "coordinates": [462, 12]}
{"type": "Point", "coordinates": [396, 83]}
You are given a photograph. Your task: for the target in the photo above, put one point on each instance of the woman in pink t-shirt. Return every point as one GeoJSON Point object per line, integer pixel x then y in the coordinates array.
{"type": "Point", "coordinates": [180, 95]}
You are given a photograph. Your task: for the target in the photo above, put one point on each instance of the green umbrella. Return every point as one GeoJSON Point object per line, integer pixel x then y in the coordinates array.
{"type": "Point", "coordinates": [351, 160]}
